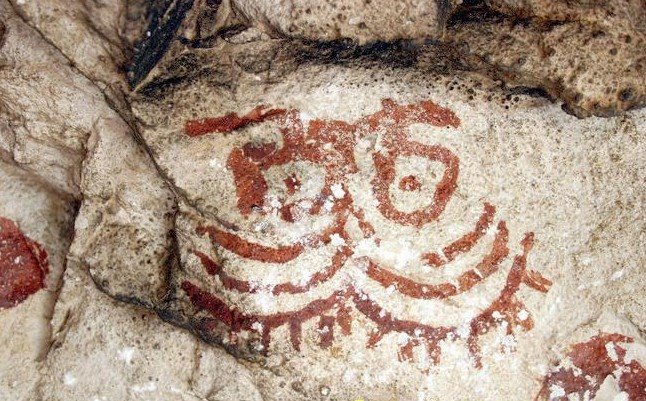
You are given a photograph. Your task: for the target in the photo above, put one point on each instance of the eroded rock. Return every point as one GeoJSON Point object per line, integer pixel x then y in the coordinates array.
{"type": "Point", "coordinates": [56, 125]}
{"type": "Point", "coordinates": [590, 56]}
{"type": "Point", "coordinates": [586, 54]}
{"type": "Point", "coordinates": [359, 20]}
{"type": "Point", "coordinates": [346, 221]}
{"type": "Point", "coordinates": [136, 355]}
{"type": "Point", "coordinates": [86, 32]}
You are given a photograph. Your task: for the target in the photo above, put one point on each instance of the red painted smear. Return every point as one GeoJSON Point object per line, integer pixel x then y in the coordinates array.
{"type": "Point", "coordinates": [231, 283]}
{"type": "Point", "coordinates": [229, 122]}
{"type": "Point", "coordinates": [592, 358]}
{"type": "Point", "coordinates": [326, 331]}
{"type": "Point", "coordinates": [406, 352]}
{"type": "Point", "coordinates": [23, 265]}
{"type": "Point", "coordinates": [250, 184]}
{"type": "Point", "coordinates": [251, 250]}
{"type": "Point", "coordinates": [536, 281]}
{"type": "Point", "coordinates": [292, 183]}
{"type": "Point", "coordinates": [237, 320]}
{"type": "Point", "coordinates": [506, 304]}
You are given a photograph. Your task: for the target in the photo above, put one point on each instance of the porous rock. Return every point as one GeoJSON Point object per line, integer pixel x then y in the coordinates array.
{"type": "Point", "coordinates": [587, 54]}
{"type": "Point", "coordinates": [56, 125]}
{"type": "Point", "coordinates": [358, 20]}
{"type": "Point", "coordinates": [35, 224]}
{"type": "Point", "coordinates": [346, 222]}
{"type": "Point", "coordinates": [130, 354]}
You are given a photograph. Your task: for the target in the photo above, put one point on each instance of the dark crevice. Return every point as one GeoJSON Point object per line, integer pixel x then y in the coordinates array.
{"type": "Point", "coordinates": [165, 18]}
{"type": "Point", "coordinates": [472, 12]}
{"type": "Point", "coordinates": [532, 92]}
{"type": "Point", "coordinates": [210, 41]}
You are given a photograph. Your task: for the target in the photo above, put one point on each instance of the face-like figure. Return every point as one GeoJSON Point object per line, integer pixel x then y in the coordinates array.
{"type": "Point", "coordinates": [327, 148]}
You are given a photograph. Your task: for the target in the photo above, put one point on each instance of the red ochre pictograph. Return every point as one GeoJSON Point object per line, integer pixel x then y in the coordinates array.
{"type": "Point", "coordinates": [23, 265]}
{"type": "Point", "coordinates": [590, 363]}
{"type": "Point", "coordinates": [247, 164]}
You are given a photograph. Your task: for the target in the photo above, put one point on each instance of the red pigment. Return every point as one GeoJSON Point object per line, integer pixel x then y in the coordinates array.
{"type": "Point", "coordinates": [595, 364]}
{"type": "Point", "coordinates": [464, 243]}
{"type": "Point", "coordinates": [228, 122]}
{"type": "Point", "coordinates": [409, 183]}
{"type": "Point", "coordinates": [466, 280]}
{"type": "Point", "coordinates": [331, 145]}
{"type": "Point", "coordinates": [23, 265]}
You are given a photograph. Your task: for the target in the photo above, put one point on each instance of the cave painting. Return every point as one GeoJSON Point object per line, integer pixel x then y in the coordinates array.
{"type": "Point", "coordinates": [331, 144]}
{"type": "Point", "coordinates": [589, 364]}
{"type": "Point", "coordinates": [23, 265]}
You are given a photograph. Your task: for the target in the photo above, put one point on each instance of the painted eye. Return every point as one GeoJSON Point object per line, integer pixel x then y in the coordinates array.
{"type": "Point", "coordinates": [414, 184]}
{"type": "Point", "coordinates": [410, 183]}
{"type": "Point", "coordinates": [293, 189]}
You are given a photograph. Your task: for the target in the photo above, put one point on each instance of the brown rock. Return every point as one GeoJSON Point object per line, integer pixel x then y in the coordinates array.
{"type": "Point", "coordinates": [359, 20]}
{"type": "Point", "coordinates": [590, 56]}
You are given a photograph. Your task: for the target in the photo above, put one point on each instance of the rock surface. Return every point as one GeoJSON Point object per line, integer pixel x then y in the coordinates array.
{"type": "Point", "coordinates": [360, 20]}
{"type": "Point", "coordinates": [34, 237]}
{"type": "Point", "coordinates": [350, 239]}
{"type": "Point", "coordinates": [320, 220]}
{"type": "Point", "coordinates": [589, 55]}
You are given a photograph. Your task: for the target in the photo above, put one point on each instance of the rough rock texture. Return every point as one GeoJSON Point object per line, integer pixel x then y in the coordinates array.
{"type": "Point", "coordinates": [35, 226]}
{"type": "Point", "coordinates": [37, 101]}
{"type": "Point", "coordinates": [600, 362]}
{"type": "Point", "coordinates": [360, 20]}
{"type": "Point", "coordinates": [86, 32]}
{"type": "Point", "coordinates": [628, 14]}
{"type": "Point", "coordinates": [321, 220]}
{"type": "Point", "coordinates": [54, 123]}
{"type": "Point", "coordinates": [135, 355]}
{"type": "Point", "coordinates": [588, 55]}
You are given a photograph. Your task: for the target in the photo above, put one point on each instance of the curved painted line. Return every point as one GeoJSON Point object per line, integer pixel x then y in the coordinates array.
{"type": "Point", "coordinates": [250, 250]}
{"type": "Point", "coordinates": [237, 320]}
{"type": "Point", "coordinates": [231, 283]}
{"type": "Point", "coordinates": [489, 264]}
{"type": "Point", "coordinates": [387, 323]}
{"type": "Point", "coordinates": [464, 243]}
{"type": "Point", "coordinates": [268, 254]}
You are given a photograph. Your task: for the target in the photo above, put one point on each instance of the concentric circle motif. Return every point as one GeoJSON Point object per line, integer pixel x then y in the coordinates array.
{"type": "Point", "coordinates": [330, 144]}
